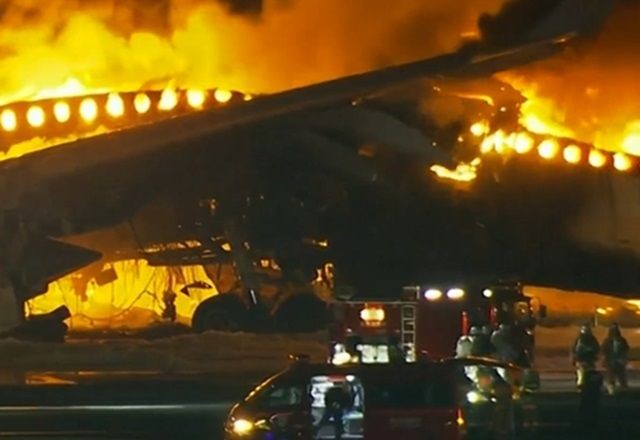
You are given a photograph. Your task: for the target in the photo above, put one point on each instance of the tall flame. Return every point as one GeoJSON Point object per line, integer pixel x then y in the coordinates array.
{"type": "Point", "coordinates": [68, 48]}
{"type": "Point", "coordinates": [590, 94]}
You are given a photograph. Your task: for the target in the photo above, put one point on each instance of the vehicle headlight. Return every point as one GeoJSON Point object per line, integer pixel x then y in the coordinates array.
{"type": "Point", "coordinates": [340, 355]}
{"type": "Point", "coordinates": [474, 397]}
{"type": "Point", "coordinates": [242, 426]}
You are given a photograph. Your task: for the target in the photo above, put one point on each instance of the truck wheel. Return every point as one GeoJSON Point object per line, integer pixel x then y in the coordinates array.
{"type": "Point", "coordinates": [303, 313]}
{"type": "Point", "coordinates": [224, 312]}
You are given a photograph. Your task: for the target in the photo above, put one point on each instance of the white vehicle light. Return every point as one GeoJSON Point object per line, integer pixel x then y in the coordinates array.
{"type": "Point", "coordinates": [487, 293]}
{"type": "Point", "coordinates": [474, 397]}
{"type": "Point", "coordinates": [455, 294]}
{"type": "Point", "coordinates": [340, 355]}
{"type": "Point", "coordinates": [242, 426]}
{"type": "Point", "coordinates": [433, 294]}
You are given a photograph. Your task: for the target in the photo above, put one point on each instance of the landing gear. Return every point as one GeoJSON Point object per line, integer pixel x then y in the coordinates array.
{"type": "Point", "coordinates": [302, 313]}
{"type": "Point", "coordinates": [224, 312]}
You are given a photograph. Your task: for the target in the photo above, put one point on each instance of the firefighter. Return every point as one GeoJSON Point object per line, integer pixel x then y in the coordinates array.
{"type": "Point", "coordinates": [503, 341]}
{"type": "Point", "coordinates": [615, 350]}
{"type": "Point", "coordinates": [481, 345]}
{"type": "Point", "coordinates": [584, 353]}
{"type": "Point", "coordinates": [169, 311]}
{"type": "Point", "coordinates": [523, 342]}
{"type": "Point", "coordinates": [464, 344]}
{"type": "Point", "coordinates": [501, 422]}
{"type": "Point", "coordinates": [337, 401]}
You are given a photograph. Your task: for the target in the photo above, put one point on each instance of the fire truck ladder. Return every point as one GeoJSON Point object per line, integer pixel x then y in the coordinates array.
{"type": "Point", "coordinates": [408, 331]}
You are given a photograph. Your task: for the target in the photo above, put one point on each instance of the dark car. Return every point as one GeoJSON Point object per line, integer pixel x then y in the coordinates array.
{"type": "Point", "coordinates": [444, 400]}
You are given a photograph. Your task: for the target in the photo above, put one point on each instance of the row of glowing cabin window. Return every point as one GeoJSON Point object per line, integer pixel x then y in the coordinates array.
{"type": "Point", "coordinates": [548, 149]}
{"type": "Point", "coordinates": [89, 110]}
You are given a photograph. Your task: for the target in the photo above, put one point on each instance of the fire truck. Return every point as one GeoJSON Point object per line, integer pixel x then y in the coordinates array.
{"type": "Point", "coordinates": [426, 321]}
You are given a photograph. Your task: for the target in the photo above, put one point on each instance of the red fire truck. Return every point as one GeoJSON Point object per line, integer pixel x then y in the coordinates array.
{"type": "Point", "coordinates": [425, 320]}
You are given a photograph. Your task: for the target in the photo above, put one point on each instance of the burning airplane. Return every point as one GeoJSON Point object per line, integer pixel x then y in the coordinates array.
{"type": "Point", "coordinates": [274, 195]}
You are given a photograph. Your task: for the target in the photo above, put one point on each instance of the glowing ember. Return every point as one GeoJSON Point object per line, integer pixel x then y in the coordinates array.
{"type": "Point", "coordinates": [572, 154]}
{"type": "Point", "coordinates": [142, 103]}
{"type": "Point", "coordinates": [62, 112]}
{"type": "Point", "coordinates": [487, 145]}
{"type": "Point", "coordinates": [479, 129]}
{"type": "Point", "coordinates": [548, 149]}
{"type": "Point", "coordinates": [35, 116]}
{"type": "Point", "coordinates": [8, 120]}
{"type": "Point", "coordinates": [115, 105]}
{"type": "Point", "coordinates": [500, 142]}
{"type": "Point", "coordinates": [88, 110]}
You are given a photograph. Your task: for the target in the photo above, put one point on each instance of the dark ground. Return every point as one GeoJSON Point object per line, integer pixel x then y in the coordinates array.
{"type": "Point", "coordinates": [193, 406]}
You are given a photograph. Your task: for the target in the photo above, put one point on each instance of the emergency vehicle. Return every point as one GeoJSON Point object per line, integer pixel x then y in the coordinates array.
{"type": "Point", "coordinates": [435, 400]}
{"type": "Point", "coordinates": [425, 321]}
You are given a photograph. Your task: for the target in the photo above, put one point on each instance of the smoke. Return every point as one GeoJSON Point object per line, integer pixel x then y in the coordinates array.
{"type": "Point", "coordinates": [513, 20]}
{"type": "Point", "coordinates": [593, 90]}
{"type": "Point", "coordinates": [252, 45]}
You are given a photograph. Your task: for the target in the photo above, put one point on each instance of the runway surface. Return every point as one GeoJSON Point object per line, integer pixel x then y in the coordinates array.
{"type": "Point", "coordinates": [146, 405]}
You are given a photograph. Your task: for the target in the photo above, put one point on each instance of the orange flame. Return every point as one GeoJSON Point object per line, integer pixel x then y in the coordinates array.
{"type": "Point", "coordinates": [590, 95]}
{"type": "Point", "coordinates": [134, 299]}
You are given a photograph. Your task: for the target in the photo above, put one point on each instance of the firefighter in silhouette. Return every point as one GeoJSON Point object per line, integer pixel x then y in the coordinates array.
{"type": "Point", "coordinates": [464, 344]}
{"type": "Point", "coordinates": [584, 353]}
{"type": "Point", "coordinates": [481, 345]}
{"type": "Point", "coordinates": [169, 311]}
{"type": "Point", "coordinates": [503, 341]}
{"type": "Point", "coordinates": [616, 351]}
{"type": "Point", "coordinates": [337, 401]}
{"type": "Point", "coordinates": [501, 420]}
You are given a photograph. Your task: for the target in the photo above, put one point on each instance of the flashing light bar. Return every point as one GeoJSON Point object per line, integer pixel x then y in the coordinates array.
{"type": "Point", "coordinates": [372, 316]}
{"type": "Point", "coordinates": [433, 294]}
{"type": "Point", "coordinates": [455, 294]}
